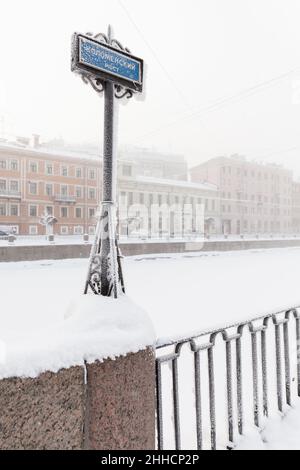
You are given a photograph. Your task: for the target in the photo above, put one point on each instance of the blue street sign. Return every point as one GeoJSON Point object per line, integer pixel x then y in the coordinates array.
{"type": "Point", "coordinates": [103, 58]}
{"type": "Point", "coordinates": [106, 62]}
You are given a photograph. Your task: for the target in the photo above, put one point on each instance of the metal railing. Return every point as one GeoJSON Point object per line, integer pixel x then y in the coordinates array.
{"type": "Point", "coordinates": [65, 198]}
{"type": "Point", "coordinates": [263, 359]}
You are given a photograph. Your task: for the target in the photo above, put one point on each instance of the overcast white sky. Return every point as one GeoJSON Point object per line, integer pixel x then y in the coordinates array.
{"type": "Point", "coordinates": [198, 53]}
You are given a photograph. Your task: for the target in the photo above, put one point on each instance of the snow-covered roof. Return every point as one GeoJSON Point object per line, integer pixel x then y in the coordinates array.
{"type": "Point", "coordinates": [144, 153]}
{"type": "Point", "coordinates": [49, 152]}
{"type": "Point", "coordinates": [184, 184]}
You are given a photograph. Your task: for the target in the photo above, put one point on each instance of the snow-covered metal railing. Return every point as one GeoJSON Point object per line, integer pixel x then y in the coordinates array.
{"type": "Point", "coordinates": [263, 359]}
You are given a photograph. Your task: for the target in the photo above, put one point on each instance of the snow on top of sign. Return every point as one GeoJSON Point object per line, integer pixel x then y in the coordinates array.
{"type": "Point", "coordinates": [93, 328]}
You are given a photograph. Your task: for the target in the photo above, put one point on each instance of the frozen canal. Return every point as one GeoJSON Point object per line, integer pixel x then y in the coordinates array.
{"type": "Point", "coordinates": [183, 294]}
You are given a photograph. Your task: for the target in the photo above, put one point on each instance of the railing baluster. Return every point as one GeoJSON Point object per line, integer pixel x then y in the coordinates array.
{"type": "Point", "coordinates": [298, 350]}
{"type": "Point", "coordinates": [212, 404]}
{"type": "Point", "coordinates": [255, 377]}
{"type": "Point", "coordinates": [198, 404]}
{"type": "Point", "coordinates": [287, 367]}
{"type": "Point", "coordinates": [278, 365]}
{"type": "Point", "coordinates": [229, 390]}
{"type": "Point", "coordinates": [264, 371]}
{"type": "Point", "coordinates": [176, 404]}
{"type": "Point", "coordinates": [239, 381]}
{"type": "Point", "coordinates": [159, 408]}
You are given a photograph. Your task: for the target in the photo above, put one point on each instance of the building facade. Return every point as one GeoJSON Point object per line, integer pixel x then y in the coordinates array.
{"type": "Point", "coordinates": [254, 198]}
{"type": "Point", "coordinates": [296, 207]}
{"type": "Point", "coordinates": [156, 164]}
{"type": "Point", "coordinates": [34, 181]}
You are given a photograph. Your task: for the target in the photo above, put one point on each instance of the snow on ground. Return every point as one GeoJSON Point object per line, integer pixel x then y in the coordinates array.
{"type": "Point", "coordinates": [183, 294]}
{"type": "Point", "coordinates": [281, 432]}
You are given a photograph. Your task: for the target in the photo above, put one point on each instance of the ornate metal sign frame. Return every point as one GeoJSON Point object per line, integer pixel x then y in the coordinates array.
{"type": "Point", "coordinates": [78, 65]}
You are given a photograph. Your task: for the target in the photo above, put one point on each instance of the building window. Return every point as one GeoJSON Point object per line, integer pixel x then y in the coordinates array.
{"type": "Point", "coordinates": [3, 209]}
{"type": "Point", "coordinates": [78, 230]}
{"type": "Point", "coordinates": [122, 198]}
{"type": "Point", "coordinates": [130, 199]}
{"type": "Point", "coordinates": [127, 170]}
{"type": "Point", "coordinates": [33, 230]}
{"type": "Point", "coordinates": [14, 210]}
{"type": "Point", "coordinates": [78, 172]}
{"type": "Point", "coordinates": [49, 169]}
{"type": "Point", "coordinates": [64, 230]}
{"type": "Point", "coordinates": [64, 171]}
{"type": "Point", "coordinates": [49, 210]}
{"type": "Point", "coordinates": [92, 193]}
{"type": "Point", "coordinates": [33, 188]}
{"type": "Point", "coordinates": [78, 212]}
{"type": "Point", "coordinates": [92, 212]}
{"type": "Point", "coordinates": [159, 199]}
{"type": "Point", "coordinates": [14, 186]}
{"type": "Point", "coordinates": [49, 190]}
{"type": "Point", "coordinates": [33, 168]}
{"type": "Point", "coordinates": [64, 190]}
{"type": "Point", "coordinates": [3, 164]}
{"type": "Point", "coordinates": [14, 165]}
{"type": "Point", "coordinates": [92, 230]}
{"type": "Point", "coordinates": [64, 212]}
{"type": "Point", "coordinates": [92, 174]}
{"type": "Point", "coordinates": [2, 185]}
{"type": "Point", "coordinates": [78, 192]}
{"type": "Point", "coordinates": [142, 198]}
{"type": "Point", "coordinates": [33, 211]}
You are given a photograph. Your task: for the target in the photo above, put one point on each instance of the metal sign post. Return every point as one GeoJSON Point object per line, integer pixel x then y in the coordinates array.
{"type": "Point", "coordinates": [108, 67]}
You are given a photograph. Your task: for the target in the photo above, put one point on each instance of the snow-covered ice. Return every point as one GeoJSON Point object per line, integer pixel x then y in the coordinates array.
{"type": "Point", "coordinates": [182, 293]}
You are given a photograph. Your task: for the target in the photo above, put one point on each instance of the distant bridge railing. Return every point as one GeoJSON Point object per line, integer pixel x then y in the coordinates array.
{"type": "Point", "coordinates": [255, 352]}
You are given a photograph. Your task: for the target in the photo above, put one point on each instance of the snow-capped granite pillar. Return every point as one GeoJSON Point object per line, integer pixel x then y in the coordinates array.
{"type": "Point", "coordinates": [85, 382]}
{"type": "Point", "coordinates": [109, 405]}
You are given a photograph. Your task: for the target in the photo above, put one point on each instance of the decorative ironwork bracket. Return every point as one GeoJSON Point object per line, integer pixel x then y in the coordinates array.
{"type": "Point", "coordinates": [105, 234]}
